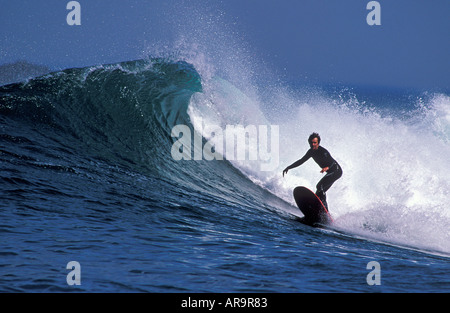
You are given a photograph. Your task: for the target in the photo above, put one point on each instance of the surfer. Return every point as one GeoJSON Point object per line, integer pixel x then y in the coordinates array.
{"type": "Point", "coordinates": [325, 161]}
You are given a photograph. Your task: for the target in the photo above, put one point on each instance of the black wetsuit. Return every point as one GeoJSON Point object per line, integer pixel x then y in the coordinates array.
{"type": "Point", "coordinates": [323, 159]}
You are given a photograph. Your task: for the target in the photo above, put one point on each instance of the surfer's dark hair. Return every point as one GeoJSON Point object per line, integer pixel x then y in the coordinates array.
{"type": "Point", "coordinates": [312, 136]}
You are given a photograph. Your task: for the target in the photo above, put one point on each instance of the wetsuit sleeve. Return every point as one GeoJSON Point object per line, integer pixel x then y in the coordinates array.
{"type": "Point", "coordinates": [301, 161]}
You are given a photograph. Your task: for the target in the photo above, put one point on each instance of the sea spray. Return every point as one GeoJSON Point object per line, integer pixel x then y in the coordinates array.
{"type": "Point", "coordinates": [392, 162]}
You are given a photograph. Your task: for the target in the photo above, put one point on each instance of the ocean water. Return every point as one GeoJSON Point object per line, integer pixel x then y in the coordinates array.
{"type": "Point", "coordinates": [88, 175]}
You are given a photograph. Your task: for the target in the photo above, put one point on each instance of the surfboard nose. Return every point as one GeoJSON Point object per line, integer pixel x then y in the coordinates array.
{"type": "Point", "coordinates": [311, 206]}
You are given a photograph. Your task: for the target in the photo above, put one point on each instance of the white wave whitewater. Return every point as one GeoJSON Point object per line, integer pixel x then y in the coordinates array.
{"type": "Point", "coordinates": [395, 186]}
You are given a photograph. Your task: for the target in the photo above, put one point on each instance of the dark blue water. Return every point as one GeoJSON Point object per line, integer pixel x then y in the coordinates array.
{"type": "Point", "coordinates": [87, 175]}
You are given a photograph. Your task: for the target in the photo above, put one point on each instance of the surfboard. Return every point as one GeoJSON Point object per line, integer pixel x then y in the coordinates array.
{"type": "Point", "coordinates": [312, 208]}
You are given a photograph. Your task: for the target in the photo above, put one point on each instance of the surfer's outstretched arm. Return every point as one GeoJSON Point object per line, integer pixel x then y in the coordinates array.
{"type": "Point", "coordinates": [297, 163]}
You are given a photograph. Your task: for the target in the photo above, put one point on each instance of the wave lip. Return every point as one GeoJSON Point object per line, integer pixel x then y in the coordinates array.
{"type": "Point", "coordinates": [119, 112]}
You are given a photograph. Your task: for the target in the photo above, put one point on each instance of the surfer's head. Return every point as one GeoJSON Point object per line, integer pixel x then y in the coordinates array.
{"type": "Point", "coordinates": [314, 141]}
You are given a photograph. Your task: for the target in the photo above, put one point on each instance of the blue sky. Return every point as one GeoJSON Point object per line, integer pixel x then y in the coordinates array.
{"type": "Point", "coordinates": [309, 40]}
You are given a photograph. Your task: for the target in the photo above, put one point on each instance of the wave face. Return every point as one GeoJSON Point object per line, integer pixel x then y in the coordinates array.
{"type": "Point", "coordinates": [97, 141]}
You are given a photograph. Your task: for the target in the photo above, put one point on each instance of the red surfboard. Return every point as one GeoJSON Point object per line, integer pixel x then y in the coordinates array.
{"type": "Point", "coordinates": [311, 206]}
